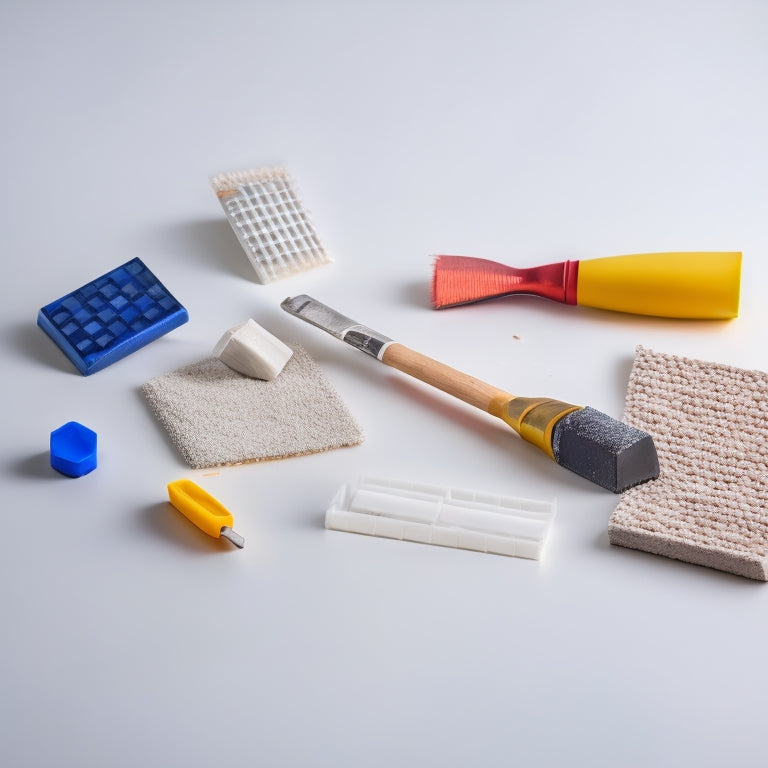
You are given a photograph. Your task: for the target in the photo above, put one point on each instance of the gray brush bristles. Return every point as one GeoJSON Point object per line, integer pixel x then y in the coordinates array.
{"type": "Point", "coordinates": [608, 452]}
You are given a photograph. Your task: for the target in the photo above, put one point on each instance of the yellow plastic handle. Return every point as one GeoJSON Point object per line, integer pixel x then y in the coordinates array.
{"type": "Point", "coordinates": [694, 285]}
{"type": "Point", "coordinates": [198, 506]}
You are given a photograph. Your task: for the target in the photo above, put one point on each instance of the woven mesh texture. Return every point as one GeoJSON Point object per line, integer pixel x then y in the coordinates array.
{"type": "Point", "coordinates": [216, 416]}
{"type": "Point", "coordinates": [267, 215]}
{"type": "Point", "coordinates": [710, 425]}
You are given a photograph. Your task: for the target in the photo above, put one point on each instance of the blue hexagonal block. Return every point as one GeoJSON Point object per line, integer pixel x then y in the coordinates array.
{"type": "Point", "coordinates": [73, 449]}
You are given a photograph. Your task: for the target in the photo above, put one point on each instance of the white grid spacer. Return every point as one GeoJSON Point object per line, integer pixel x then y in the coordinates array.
{"type": "Point", "coordinates": [267, 215]}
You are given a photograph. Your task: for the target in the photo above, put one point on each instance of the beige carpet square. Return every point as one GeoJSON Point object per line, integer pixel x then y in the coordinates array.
{"type": "Point", "coordinates": [710, 425]}
{"type": "Point", "coordinates": [216, 416]}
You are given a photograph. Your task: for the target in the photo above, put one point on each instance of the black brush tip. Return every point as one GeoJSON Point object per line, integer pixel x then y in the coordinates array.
{"type": "Point", "coordinates": [608, 452]}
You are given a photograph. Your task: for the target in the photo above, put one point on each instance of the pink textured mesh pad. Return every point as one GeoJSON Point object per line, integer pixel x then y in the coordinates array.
{"type": "Point", "coordinates": [710, 425]}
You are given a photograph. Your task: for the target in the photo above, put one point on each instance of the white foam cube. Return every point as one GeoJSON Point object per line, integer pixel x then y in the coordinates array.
{"type": "Point", "coordinates": [253, 351]}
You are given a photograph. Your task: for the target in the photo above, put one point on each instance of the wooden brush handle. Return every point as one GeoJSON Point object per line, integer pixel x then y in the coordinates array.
{"type": "Point", "coordinates": [456, 383]}
{"type": "Point", "coordinates": [533, 418]}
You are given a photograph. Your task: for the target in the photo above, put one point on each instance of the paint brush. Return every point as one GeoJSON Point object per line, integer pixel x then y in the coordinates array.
{"type": "Point", "coordinates": [690, 285]}
{"type": "Point", "coordinates": [590, 443]}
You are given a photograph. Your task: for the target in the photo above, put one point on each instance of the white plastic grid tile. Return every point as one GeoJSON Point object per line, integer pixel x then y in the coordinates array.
{"type": "Point", "coordinates": [447, 517]}
{"type": "Point", "coordinates": [267, 215]}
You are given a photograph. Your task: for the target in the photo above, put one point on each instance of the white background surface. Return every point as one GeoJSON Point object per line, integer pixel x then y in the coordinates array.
{"type": "Point", "coordinates": [526, 132]}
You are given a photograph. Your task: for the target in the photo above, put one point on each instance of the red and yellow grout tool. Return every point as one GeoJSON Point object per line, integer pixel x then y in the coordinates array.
{"type": "Point", "coordinates": [202, 509]}
{"type": "Point", "coordinates": [686, 285]}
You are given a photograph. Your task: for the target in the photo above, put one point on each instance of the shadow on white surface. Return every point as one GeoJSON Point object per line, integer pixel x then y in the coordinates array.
{"type": "Point", "coordinates": [37, 467]}
{"type": "Point", "coordinates": [31, 342]}
{"type": "Point", "coordinates": [208, 243]}
{"type": "Point", "coordinates": [417, 294]}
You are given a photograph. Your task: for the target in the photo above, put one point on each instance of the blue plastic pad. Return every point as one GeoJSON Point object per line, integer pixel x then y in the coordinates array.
{"type": "Point", "coordinates": [109, 318]}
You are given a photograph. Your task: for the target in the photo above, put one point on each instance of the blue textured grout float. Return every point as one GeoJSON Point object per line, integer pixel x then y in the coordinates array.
{"type": "Point", "coordinates": [112, 316]}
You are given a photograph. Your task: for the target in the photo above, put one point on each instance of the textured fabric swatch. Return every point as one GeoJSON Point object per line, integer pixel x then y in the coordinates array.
{"type": "Point", "coordinates": [216, 416]}
{"type": "Point", "coordinates": [710, 425]}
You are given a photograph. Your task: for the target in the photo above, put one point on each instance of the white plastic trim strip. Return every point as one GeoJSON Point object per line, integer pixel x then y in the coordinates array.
{"type": "Point", "coordinates": [448, 517]}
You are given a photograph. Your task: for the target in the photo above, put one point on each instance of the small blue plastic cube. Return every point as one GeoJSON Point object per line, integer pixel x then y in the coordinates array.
{"type": "Point", "coordinates": [73, 449]}
{"type": "Point", "coordinates": [107, 319]}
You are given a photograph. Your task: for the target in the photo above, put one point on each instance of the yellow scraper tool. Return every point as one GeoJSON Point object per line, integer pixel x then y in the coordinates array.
{"type": "Point", "coordinates": [206, 512]}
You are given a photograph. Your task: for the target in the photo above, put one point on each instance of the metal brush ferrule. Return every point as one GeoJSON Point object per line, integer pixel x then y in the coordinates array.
{"type": "Point", "coordinates": [359, 336]}
{"type": "Point", "coordinates": [534, 418]}
{"type": "Point", "coordinates": [366, 339]}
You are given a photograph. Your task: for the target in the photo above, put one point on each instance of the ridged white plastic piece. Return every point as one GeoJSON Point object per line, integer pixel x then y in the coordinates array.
{"type": "Point", "coordinates": [448, 517]}
{"type": "Point", "coordinates": [253, 351]}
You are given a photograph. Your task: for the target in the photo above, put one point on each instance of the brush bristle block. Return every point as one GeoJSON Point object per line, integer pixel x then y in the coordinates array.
{"type": "Point", "coordinates": [446, 517]}
{"type": "Point", "coordinates": [107, 319]}
{"type": "Point", "coordinates": [606, 451]}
